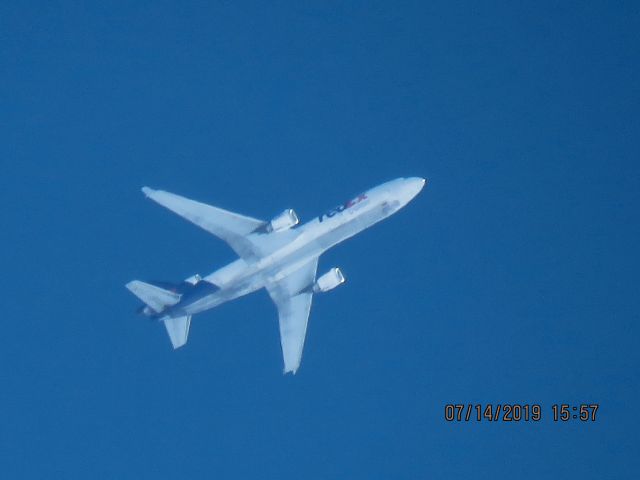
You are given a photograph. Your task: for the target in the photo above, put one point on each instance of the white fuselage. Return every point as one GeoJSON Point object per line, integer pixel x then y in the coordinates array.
{"type": "Point", "coordinates": [242, 277]}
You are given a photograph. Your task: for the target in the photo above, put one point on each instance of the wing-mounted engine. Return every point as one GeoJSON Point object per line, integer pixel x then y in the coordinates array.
{"type": "Point", "coordinates": [329, 281]}
{"type": "Point", "coordinates": [284, 221]}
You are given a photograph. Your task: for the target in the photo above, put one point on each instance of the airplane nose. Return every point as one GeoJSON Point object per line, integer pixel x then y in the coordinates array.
{"type": "Point", "coordinates": [415, 184]}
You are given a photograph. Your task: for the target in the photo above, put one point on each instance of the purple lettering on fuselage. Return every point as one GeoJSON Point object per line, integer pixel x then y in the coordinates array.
{"type": "Point", "coordinates": [341, 208]}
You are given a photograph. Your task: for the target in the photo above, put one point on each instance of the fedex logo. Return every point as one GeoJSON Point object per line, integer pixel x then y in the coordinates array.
{"type": "Point", "coordinates": [341, 208]}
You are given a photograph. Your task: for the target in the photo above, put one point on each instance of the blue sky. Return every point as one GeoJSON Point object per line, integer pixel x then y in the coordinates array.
{"type": "Point", "coordinates": [511, 278]}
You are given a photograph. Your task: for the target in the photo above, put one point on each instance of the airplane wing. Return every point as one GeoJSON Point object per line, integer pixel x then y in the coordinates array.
{"type": "Point", "coordinates": [292, 296]}
{"type": "Point", "coordinates": [231, 227]}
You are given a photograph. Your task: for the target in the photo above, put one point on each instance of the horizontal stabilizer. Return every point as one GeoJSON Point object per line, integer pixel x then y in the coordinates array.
{"type": "Point", "coordinates": [178, 330]}
{"type": "Point", "coordinates": [157, 298]}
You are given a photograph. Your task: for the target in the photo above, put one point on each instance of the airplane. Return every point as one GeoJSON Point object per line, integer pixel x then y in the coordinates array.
{"type": "Point", "coordinates": [279, 255]}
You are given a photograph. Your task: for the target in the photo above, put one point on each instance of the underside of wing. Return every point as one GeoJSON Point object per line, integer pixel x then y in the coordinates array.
{"type": "Point", "coordinates": [292, 295]}
{"type": "Point", "coordinates": [231, 227]}
{"type": "Point", "coordinates": [245, 235]}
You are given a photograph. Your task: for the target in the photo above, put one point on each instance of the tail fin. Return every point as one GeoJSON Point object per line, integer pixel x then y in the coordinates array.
{"type": "Point", "coordinates": [178, 330]}
{"type": "Point", "coordinates": [155, 297]}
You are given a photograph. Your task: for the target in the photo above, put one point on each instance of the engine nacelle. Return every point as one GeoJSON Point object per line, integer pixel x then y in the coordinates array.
{"type": "Point", "coordinates": [329, 281]}
{"type": "Point", "coordinates": [284, 221]}
{"type": "Point", "coordinates": [194, 279]}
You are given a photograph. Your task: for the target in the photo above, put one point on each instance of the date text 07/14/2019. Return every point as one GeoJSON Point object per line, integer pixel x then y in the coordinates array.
{"type": "Point", "coordinates": [514, 412]}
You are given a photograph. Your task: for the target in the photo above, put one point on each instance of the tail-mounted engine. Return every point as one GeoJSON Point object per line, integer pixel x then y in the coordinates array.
{"type": "Point", "coordinates": [194, 279]}
{"type": "Point", "coordinates": [284, 221]}
{"type": "Point", "coordinates": [329, 281]}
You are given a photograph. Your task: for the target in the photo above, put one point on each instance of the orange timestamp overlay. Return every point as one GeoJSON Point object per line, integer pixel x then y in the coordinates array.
{"type": "Point", "coordinates": [519, 412]}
